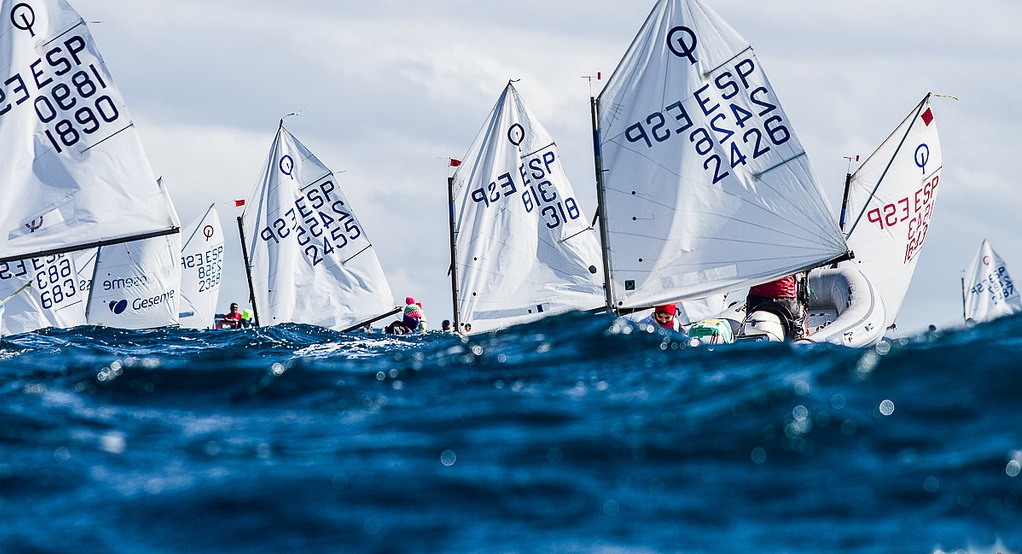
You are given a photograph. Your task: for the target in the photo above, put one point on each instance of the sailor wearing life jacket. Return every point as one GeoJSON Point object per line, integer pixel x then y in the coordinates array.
{"type": "Point", "coordinates": [664, 317]}
{"type": "Point", "coordinates": [786, 298]}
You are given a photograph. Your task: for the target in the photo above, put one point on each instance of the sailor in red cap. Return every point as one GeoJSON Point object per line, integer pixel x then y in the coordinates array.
{"type": "Point", "coordinates": [664, 317]}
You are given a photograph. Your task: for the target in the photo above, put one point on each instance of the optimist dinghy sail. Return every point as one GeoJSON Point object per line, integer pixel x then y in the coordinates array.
{"type": "Point", "coordinates": [136, 285]}
{"type": "Point", "coordinates": [703, 185]}
{"type": "Point", "coordinates": [308, 257]}
{"type": "Point", "coordinates": [522, 247]}
{"type": "Point", "coordinates": [202, 258]}
{"type": "Point", "coordinates": [43, 292]}
{"type": "Point", "coordinates": [890, 199]}
{"type": "Point", "coordinates": [989, 292]}
{"type": "Point", "coordinates": [73, 174]}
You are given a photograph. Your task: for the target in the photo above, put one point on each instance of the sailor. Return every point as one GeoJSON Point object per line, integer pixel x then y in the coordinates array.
{"type": "Point", "coordinates": [664, 317]}
{"type": "Point", "coordinates": [414, 318]}
{"type": "Point", "coordinates": [232, 320]}
{"type": "Point", "coordinates": [787, 298]}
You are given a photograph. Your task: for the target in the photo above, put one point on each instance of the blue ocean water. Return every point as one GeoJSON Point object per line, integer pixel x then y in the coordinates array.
{"type": "Point", "coordinates": [579, 433]}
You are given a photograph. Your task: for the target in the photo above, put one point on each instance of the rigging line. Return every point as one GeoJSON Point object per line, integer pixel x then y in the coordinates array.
{"type": "Point", "coordinates": [566, 239]}
{"type": "Point", "coordinates": [110, 136]}
{"type": "Point", "coordinates": [540, 149]}
{"type": "Point", "coordinates": [15, 293]}
{"type": "Point", "coordinates": [80, 23]}
{"type": "Point", "coordinates": [739, 53]}
{"type": "Point", "coordinates": [890, 162]}
{"type": "Point", "coordinates": [778, 164]}
{"type": "Point", "coordinates": [356, 254]}
{"type": "Point", "coordinates": [199, 226]}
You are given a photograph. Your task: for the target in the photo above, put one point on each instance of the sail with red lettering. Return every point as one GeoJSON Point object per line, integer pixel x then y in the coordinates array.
{"type": "Point", "coordinates": [988, 289]}
{"type": "Point", "coordinates": [73, 173]}
{"type": "Point", "coordinates": [308, 256]}
{"type": "Point", "coordinates": [890, 202]}
{"type": "Point", "coordinates": [524, 249]}
{"type": "Point", "coordinates": [704, 186]}
{"type": "Point", "coordinates": [201, 266]}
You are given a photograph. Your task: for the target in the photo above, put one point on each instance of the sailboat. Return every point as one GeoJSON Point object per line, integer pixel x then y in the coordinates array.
{"type": "Point", "coordinates": [307, 257]}
{"type": "Point", "coordinates": [135, 285]}
{"type": "Point", "coordinates": [522, 248]}
{"type": "Point", "coordinates": [702, 183]}
{"type": "Point", "coordinates": [202, 257]}
{"type": "Point", "coordinates": [987, 289]}
{"type": "Point", "coordinates": [886, 212]}
{"type": "Point", "coordinates": [74, 175]}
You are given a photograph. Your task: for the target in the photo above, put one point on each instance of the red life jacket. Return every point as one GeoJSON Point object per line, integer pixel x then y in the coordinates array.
{"type": "Point", "coordinates": [782, 288]}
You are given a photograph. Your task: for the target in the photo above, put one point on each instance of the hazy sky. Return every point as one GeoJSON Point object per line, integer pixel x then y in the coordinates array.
{"type": "Point", "coordinates": [390, 90]}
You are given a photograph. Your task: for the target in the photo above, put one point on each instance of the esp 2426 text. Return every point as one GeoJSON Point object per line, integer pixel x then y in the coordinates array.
{"type": "Point", "coordinates": [736, 112]}
{"type": "Point", "coordinates": [537, 191]}
{"type": "Point", "coordinates": [318, 221]}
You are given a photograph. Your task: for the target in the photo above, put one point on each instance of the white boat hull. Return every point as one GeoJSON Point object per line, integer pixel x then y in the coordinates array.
{"type": "Point", "coordinates": [844, 308]}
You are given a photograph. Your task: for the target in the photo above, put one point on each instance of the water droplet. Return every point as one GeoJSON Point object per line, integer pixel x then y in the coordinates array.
{"type": "Point", "coordinates": [448, 457]}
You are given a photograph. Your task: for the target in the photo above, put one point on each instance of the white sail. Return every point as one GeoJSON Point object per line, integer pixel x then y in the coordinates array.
{"type": "Point", "coordinates": [310, 259]}
{"type": "Point", "coordinates": [989, 291]}
{"type": "Point", "coordinates": [890, 201]}
{"type": "Point", "coordinates": [51, 299]}
{"type": "Point", "coordinates": [201, 266]}
{"type": "Point", "coordinates": [136, 285]}
{"type": "Point", "coordinates": [705, 186]}
{"type": "Point", "coordinates": [73, 173]}
{"type": "Point", "coordinates": [85, 261]}
{"type": "Point", "coordinates": [524, 247]}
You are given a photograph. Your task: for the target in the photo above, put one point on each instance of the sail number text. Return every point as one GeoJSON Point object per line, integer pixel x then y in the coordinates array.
{"type": "Point", "coordinates": [914, 211]}
{"type": "Point", "coordinates": [67, 89]}
{"type": "Point", "coordinates": [208, 266]}
{"type": "Point", "coordinates": [999, 286]}
{"type": "Point", "coordinates": [538, 192]}
{"type": "Point", "coordinates": [728, 121]}
{"type": "Point", "coordinates": [318, 221]}
{"type": "Point", "coordinates": [53, 279]}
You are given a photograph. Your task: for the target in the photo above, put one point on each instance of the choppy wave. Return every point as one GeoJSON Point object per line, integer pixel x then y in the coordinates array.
{"type": "Point", "coordinates": [579, 433]}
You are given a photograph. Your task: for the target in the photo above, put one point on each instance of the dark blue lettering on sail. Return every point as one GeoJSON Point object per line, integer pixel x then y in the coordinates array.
{"type": "Point", "coordinates": [69, 92]}
{"type": "Point", "coordinates": [320, 223]}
